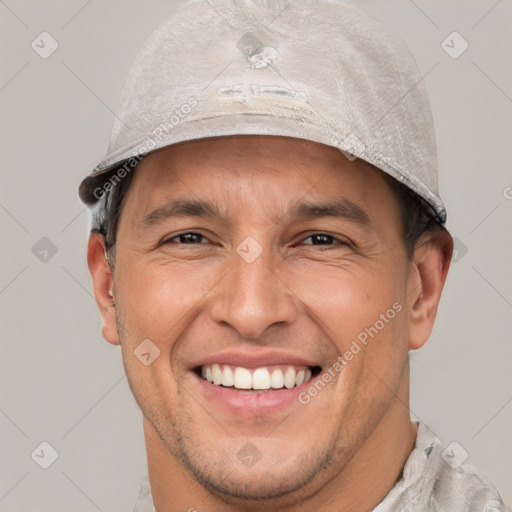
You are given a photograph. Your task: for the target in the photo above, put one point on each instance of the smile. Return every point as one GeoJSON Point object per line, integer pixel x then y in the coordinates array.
{"type": "Point", "coordinates": [265, 378]}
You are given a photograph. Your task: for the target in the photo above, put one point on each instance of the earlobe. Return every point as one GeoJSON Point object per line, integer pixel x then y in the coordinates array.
{"type": "Point", "coordinates": [103, 282]}
{"type": "Point", "coordinates": [427, 276]}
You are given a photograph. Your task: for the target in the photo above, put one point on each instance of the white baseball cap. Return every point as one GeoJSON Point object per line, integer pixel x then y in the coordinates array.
{"type": "Point", "coordinates": [319, 70]}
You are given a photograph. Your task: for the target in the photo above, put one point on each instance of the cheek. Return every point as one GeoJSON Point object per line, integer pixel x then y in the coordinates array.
{"type": "Point", "coordinates": [362, 313]}
{"type": "Point", "coordinates": [347, 301]}
{"type": "Point", "coordinates": [158, 300]}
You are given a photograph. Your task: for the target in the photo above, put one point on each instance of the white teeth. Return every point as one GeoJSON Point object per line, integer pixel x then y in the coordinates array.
{"type": "Point", "coordinates": [261, 379]}
{"type": "Point", "coordinates": [217, 374]}
{"type": "Point", "coordinates": [242, 378]}
{"type": "Point", "coordinates": [227, 376]}
{"type": "Point", "coordinates": [277, 379]}
{"type": "Point", "coordinates": [255, 379]}
{"type": "Point", "coordinates": [289, 378]}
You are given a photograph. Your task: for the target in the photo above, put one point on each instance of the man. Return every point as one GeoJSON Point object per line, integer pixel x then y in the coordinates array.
{"type": "Point", "coordinates": [267, 246]}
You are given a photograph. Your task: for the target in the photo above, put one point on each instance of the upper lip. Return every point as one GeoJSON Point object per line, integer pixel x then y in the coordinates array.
{"type": "Point", "coordinates": [253, 360]}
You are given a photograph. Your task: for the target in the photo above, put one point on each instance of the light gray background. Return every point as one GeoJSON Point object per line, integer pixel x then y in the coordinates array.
{"type": "Point", "coordinates": [61, 383]}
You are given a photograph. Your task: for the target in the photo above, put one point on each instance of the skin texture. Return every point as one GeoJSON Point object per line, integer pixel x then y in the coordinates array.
{"type": "Point", "coordinates": [305, 295]}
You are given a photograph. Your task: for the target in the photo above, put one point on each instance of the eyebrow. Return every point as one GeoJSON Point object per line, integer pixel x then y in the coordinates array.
{"type": "Point", "coordinates": [182, 208]}
{"type": "Point", "coordinates": [337, 208]}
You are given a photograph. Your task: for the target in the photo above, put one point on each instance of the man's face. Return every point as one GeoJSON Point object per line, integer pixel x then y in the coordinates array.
{"type": "Point", "coordinates": [273, 285]}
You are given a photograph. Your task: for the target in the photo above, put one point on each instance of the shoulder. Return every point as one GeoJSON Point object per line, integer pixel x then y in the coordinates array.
{"type": "Point", "coordinates": [145, 500]}
{"type": "Point", "coordinates": [435, 478]}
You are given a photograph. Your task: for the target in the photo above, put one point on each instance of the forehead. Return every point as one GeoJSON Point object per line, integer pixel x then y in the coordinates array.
{"type": "Point", "coordinates": [255, 173]}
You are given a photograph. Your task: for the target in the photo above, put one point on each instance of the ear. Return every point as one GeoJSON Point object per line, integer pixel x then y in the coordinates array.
{"type": "Point", "coordinates": [103, 283]}
{"type": "Point", "coordinates": [427, 275]}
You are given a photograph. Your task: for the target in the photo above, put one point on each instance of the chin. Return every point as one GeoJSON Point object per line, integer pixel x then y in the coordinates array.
{"type": "Point", "coordinates": [246, 475]}
{"type": "Point", "coordinates": [246, 486]}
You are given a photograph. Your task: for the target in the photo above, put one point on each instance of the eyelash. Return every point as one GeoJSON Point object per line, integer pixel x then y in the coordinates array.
{"type": "Point", "coordinates": [339, 240]}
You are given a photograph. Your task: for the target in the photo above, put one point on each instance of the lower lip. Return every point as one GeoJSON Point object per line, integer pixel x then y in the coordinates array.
{"type": "Point", "coordinates": [252, 404]}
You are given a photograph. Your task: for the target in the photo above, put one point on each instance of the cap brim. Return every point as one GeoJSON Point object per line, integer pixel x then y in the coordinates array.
{"type": "Point", "coordinates": [116, 166]}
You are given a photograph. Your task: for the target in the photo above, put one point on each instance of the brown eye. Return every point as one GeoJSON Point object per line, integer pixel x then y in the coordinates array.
{"type": "Point", "coordinates": [323, 239]}
{"type": "Point", "coordinates": [188, 238]}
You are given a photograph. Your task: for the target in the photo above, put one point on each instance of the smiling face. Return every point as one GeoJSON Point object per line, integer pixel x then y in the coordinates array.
{"type": "Point", "coordinates": [262, 262]}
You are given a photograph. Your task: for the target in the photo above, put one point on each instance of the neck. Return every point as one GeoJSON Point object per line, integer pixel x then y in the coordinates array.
{"type": "Point", "coordinates": [360, 486]}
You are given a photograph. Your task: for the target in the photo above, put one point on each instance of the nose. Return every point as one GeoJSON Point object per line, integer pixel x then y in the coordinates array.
{"type": "Point", "coordinates": [253, 296]}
